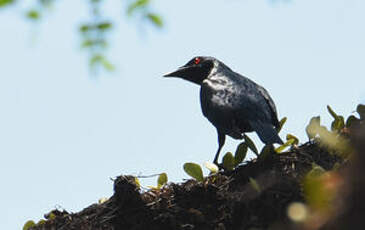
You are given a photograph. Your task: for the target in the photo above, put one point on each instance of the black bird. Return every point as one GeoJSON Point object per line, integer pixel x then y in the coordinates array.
{"type": "Point", "coordinates": [233, 103]}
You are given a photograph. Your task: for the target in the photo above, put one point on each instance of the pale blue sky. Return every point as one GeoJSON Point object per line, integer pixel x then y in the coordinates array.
{"type": "Point", "coordinates": [64, 134]}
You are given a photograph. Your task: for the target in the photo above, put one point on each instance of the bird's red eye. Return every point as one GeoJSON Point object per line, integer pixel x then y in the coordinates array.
{"type": "Point", "coordinates": [197, 60]}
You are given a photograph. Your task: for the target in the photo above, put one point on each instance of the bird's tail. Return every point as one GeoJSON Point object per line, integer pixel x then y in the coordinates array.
{"type": "Point", "coordinates": [266, 132]}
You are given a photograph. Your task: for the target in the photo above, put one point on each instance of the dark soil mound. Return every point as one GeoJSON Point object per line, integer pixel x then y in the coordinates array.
{"type": "Point", "coordinates": [253, 196]}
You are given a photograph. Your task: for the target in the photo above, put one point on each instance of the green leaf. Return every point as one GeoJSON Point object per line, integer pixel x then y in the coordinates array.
{"type": "Point", "coordinates": [136, 5]}
{"type": "Point", "coordinates": [255, 185]}
{"type": "Point", "coordinates": [100, 59]}
{"type": "Point", "coordinates": [40, 222]}
{"type": "Point", "coordinates": [87, 43]}
{"type": "Point", "coordinates": [315, 171]}
{"type": "Point", "coordinates": [161, 180]}
{"type": "Point", "coordinates": [281, 148]}
{"type": "Point", "coordinates": [313, 126]}
{"type": "Point", "coordinates": [194, 170]}
{"type": "Point", "coordinates": [290, 136]}
{"type": "Point", "coordinates": [290, 140]}
{"type": "Point", "coordinates": [94, 42]}
{"type": "Point", "coordinates": [281, 123]}
{"type": "Point", "coordinates": [337, 166]}
{"type": "Point", "coordinates": [85, 28]}
{"type": "Point", "coordinates": [155, 19]}
{"type": "Point", "coordinates": [338, 124]}
{"type": "Point", "coordinates": [315, 189]}
{"type": "Point", "coordinates": [104, 26]}
{"type": "Point", "coordinates": [228, 161]}
{"type": "Point", "coordinates": [350, 120]}
{"type": "Point", "coordinates": [46, 3]}
{"type": "Point", "coordinates": [213, 168]}
{"type": "Point", "coordinates": [250, 144]}
{"type": "Point", "coordinates": [6, 2]}
{"type": "Point", "coordinates": [361, 111]}
{"type": "Point", "coordinates": [288, 143]}
{"type": "Point", "coordinates": [137, 182]}
{"type": "Point", "coordinates": [103, 200]}
{"type": "Point", "coordinates": [266, 151]}
{"type": "Point", "coordinates": [33, 14]}
{"type": "Point", "coordinates": [333, 114]}
{"type": "Point", "coordinates": [107, 65]}
{"type": "Point", "coordinates": [333, 141]}
{"type": "Point", "coordinates": [241, 153]}
{"type": "Point", "coordinates": [95, 59]}
{"type": "Point", "coordinates": [51, 216]}
{"type": "Point", "coordinates": [28, 224]}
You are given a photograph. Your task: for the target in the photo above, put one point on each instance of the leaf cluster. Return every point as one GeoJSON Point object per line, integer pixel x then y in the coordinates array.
{"type": "Point", "coordinates": [4, 3]}
{"type": "Point", "coordinates": [30, 223]}
{"type": "Point", "coordinates": [142, 8]}
{"type": "Point", "coordinates": [322, 188]}
{"type": "Point", "coordinates": [334, 139]}
{"type": "Point", "coordinates": [94, 32]}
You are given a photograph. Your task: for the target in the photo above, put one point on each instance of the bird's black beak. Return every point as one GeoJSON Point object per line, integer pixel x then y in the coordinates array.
{"type": "Point", "coordinates": [180, 72]}
{"type": "Point", "coordinates": [193, 73]}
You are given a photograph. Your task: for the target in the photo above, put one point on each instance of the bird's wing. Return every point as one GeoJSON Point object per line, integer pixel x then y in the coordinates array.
{"type": "Point", "coordinates": [252, 105]}
{"type": "Point", "coordinates": [253, 101]}
{"type": "Point", "coordinates": [257, 107]}
{"type": "Point", "coordinates": [266, 132]}
{"type": "Point", "coordinates": [270, 102]}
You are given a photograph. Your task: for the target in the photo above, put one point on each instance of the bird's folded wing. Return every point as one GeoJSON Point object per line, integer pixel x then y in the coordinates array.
{"type": "Point", "coordinates": [266, 132]}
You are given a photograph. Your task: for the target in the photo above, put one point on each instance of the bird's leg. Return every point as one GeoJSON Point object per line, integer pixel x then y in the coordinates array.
{"type": "Point", "coordinates": [221, 140]}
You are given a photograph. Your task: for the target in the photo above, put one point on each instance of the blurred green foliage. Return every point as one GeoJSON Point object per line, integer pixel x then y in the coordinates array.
{"type": "Point", "coordinates": [322, 187]}
{"type": "Point", "coordinates": [94, 32]}
{"type": "Point", "coordinates": [4, 3]}
{"type": "Point", "coordinates": [33, 14]}
{"type": "Point", "coordinates": [142, 9]}
{"type": "Point", "coordinates": [312, 127]}
{"type": "Point", "coordinates": [138, 4]}
{"type": "Point", "coordinates": [334, 139]}
{"type": "Point", "coordinates": [315, 193]}
{"type": "Point", "coordinates": [255, 185]}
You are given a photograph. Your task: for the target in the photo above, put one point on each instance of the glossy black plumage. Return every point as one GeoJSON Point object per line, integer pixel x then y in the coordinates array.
{"type": "Point", "coordinates": [233, 103]}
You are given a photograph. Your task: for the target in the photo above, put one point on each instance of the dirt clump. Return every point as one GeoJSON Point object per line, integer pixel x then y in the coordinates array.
{"type": "Point", "coordinates": [253, 196]}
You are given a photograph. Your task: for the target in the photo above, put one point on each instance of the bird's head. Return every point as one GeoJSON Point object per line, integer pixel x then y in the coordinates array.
{"type": "Point", "coordinates": [196, 70]}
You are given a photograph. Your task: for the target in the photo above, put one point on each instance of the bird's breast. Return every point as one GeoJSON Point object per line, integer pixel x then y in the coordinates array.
{"type": "Point", "coordinates": [217, 107]}
{"type": "Point", "coordinates": [217, 95]}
